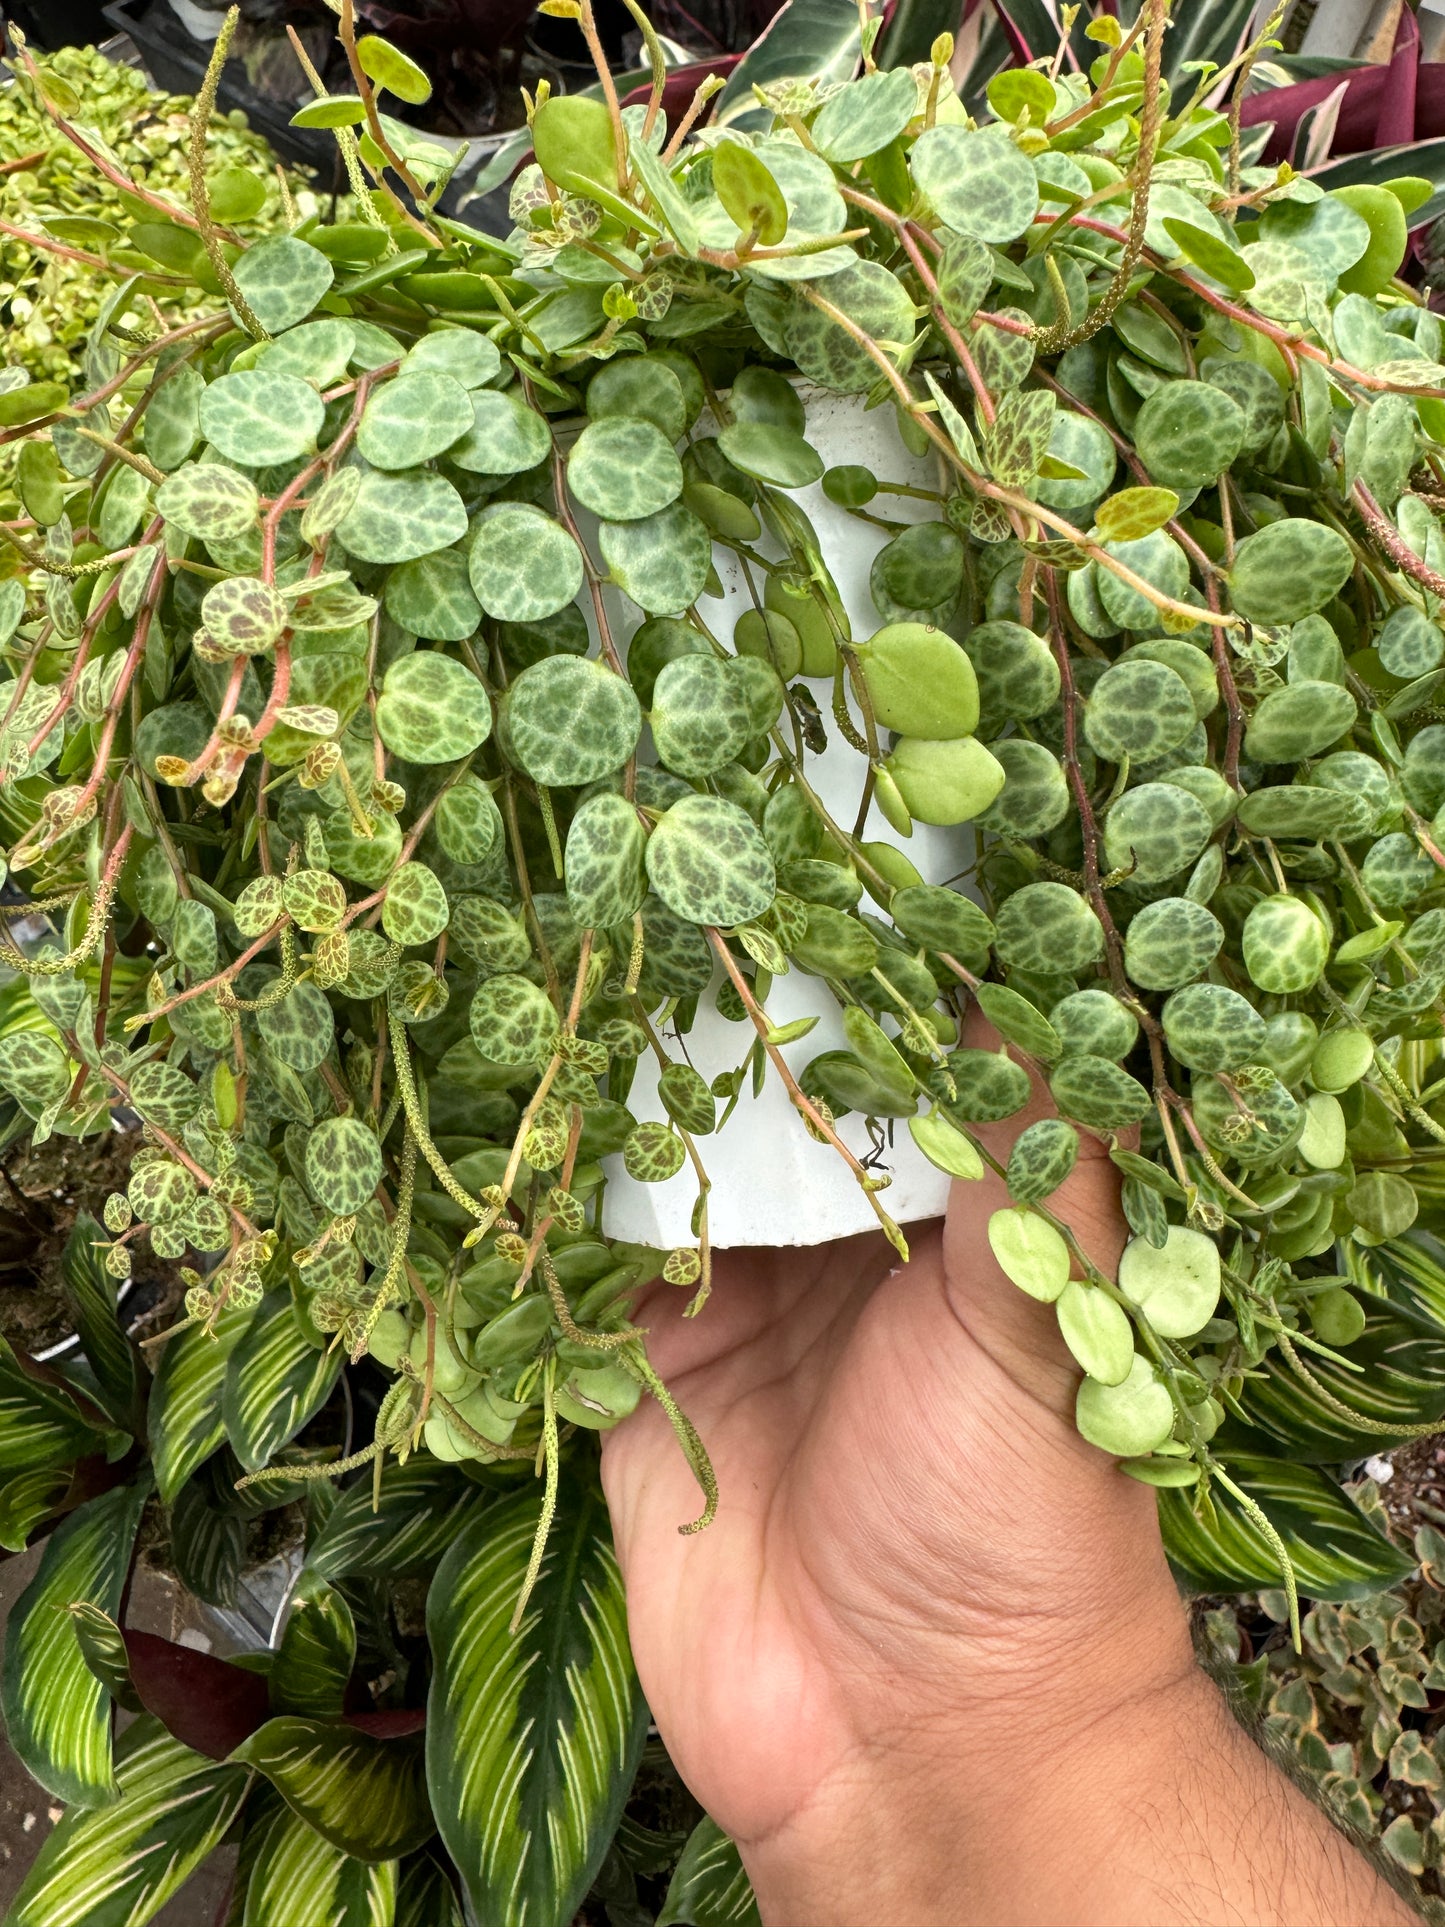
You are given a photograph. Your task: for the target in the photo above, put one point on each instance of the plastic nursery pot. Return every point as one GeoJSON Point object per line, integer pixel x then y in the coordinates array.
{"type": "Point", "coordinates": [773, 1184]}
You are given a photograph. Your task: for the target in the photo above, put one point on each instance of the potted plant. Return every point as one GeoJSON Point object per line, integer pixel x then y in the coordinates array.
{"type": "Point", "coordinates": [448, 682]}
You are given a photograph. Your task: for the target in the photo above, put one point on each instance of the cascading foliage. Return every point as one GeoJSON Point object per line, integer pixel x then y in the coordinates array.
{"type": "Point", "coordinates": [328, 692]}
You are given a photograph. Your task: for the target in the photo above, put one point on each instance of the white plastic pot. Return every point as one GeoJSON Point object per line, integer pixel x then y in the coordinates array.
{"type": "Point", "coordinates": [773, 1184]}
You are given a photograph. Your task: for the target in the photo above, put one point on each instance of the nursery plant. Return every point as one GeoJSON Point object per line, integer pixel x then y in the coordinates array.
{"type": "Point", "coordinates": [430, 702]}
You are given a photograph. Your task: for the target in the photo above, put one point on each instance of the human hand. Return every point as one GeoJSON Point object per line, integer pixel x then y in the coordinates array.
{"type": "Point", "coordinates": [928, 1663]}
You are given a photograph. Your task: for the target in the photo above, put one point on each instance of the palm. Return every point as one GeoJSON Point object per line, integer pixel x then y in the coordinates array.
{"type": "Point", "coordinates": [899, 1475]}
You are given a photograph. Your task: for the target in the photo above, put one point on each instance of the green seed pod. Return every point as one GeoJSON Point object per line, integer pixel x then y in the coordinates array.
{"type": "Point", "coordinates": [1285, 945]}
{"type": "Point", "coordinates": [1209, 1028]}
{"type": "Point", "coordinates": [944, 782]}
{"type": "Point", "coordinates": [919, 682]}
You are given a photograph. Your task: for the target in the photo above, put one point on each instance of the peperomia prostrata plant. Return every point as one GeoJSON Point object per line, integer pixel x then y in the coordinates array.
{"type": "Point", "coordinates": [340, 611]}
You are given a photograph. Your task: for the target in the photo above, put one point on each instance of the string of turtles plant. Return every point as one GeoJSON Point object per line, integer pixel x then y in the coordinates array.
{"type": "Point", "coordinates": [328, 685]}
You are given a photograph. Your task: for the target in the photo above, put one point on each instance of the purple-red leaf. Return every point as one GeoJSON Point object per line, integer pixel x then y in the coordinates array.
{"type": "Point", "coordinates": [202, 1701]}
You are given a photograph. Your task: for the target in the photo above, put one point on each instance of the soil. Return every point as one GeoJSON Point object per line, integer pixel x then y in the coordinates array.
{"type": "Point", "coordinates": [1416, 1494]}
{"type": "Point", "coordinates": [42, 1191]}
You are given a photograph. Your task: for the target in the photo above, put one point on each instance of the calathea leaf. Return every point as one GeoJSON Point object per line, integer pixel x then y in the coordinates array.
{"type": "Point", "coordinates": [185, 1421]}
{"type": "Point", "coordinates": [366, 1796]}
{"type": "Point", "coordinates": [709, 1887]}
{"type": "Point", "coordinates": [532, 1738]}
{"type": "Point", "coordinates": [57, 1713]}
{"type": "Point", "coordinates": [317, 1651]}
{"type": "Point", "coordinates": [118, 1866]}
{"type": "Point", "coordinates": [275, 1380]}
{"type": "Point", "coordinates": [1335, 1551]}
{"type": "Point", "coordinates": [297, 1875]}
{"type": "Point", "coordinates": [425, 1896]}
{"type": "Point", "coordinates": [39, 1426]}
{"type": "Point", "coordinates": [423, 1505]}
{"type": "Point", "coordinates": [91, 1291]}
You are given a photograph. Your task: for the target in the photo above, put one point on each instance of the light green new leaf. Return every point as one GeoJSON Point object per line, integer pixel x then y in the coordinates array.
{"type": "Point", "coordinates": [297, 1876]}
{"type": "Point", "coordinates": [366, 1796]}
{"type": "Point", "coordinates": [119, 1866]}
{"type": "Point", "coordinates": [57, 1713]}
{"type": "Point", "coordinates": [275, 1380]}
{"type": "Point", "coordinates": [532, 1738]}
{"type": "Point", "coordinates": [184, 1415]}
{"type": "Point", "coordinates": [709, 1887]}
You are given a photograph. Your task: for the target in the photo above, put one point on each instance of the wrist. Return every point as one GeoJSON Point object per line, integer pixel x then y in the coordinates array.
{"type": "Point", "coordinates": [1023, 1801]}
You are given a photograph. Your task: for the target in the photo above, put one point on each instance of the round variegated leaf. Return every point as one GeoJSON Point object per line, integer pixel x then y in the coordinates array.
{"type": "Point", "coordinates": [398, 517]}
{"type": "Point", "coordinates": [1289, 569]}
{"type": "Point", "coordinates": [569, 720]}
{"type": "Point", "coordinates": [606, 879]}
{"type": "Point", "coordinates": [432, 709]}
{"type": "Point", "coordinates": [243, 615]}
{"type": "Point", "coordinates": [700, 717]}
{"type": "Point", "coordinates": [415, 908]}
{"type": "Point", "coordinates": [662, 561]}
{"type": "Point", "coordinates": [432, 597]}
{"type": "Point", "coordinates": [208, 500]}
{"type": "Point", "coordinates": [708, 862]}
{"type": "Point", "coordinates": [524, 565]}
{"type": "Point", "coordinates": [468, 823]}
{"type": "Point", "coordinates": [467, 357]}
{"type": "Point", "coordinates": [505, 436]}
{"type": "Point", "coordinates": [282, 279]}
{"type": "Point", "coordinates": [258, 418]}
{"type": "Point", "coordinates": [317, 351]}
{"type": "Point", "coordinates": [408, 420]}
{"type": "Point", "coordinates": [870, 297]}
{"type": "Point", "coordinates": [512, 1021]}
{"type": "Point", "coordinates": [298, 1030]}
{"type": "Point", "coordinates": [623, 469]}
{"type": "Point", "coordinates": [343, 1165]}
{"type": "Point", "coordinates": [976, 180]}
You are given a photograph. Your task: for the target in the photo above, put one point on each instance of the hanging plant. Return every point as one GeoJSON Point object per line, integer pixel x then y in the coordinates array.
{"type": "Point", "coordinates": [485, 679]}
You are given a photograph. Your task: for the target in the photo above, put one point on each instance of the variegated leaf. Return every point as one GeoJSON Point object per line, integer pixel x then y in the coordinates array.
{"type": "Point", "coordinates": [366, 1796]}
{"type": "Point", "coordinates": [422, 1509]}
{"type": "Point", "coordinates": [275, 1381]}
{"type": "Point", "coordinates": [38, 1425]}
{"type": "Point", "coordinates": [91, 1291]}
{"type": "Point", "coordinates": [317, 1651]}
{"type": "Point", "coordinates": [57, 1713]}
{"type": "Point", "coordinates": [709, 1886]}
{"type": "Point", "coordinates": [185, 1421]}
{"type": "Point", "coordinates": [533, 1737]}
{"type": "Point", "coordinates": [298, 1876]}
{"type": "Point", "coordinates": [119, 1866]}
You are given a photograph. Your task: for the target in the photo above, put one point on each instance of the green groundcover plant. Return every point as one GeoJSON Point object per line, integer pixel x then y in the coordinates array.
{"type": "Point", "coordinates": [323, 750]}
